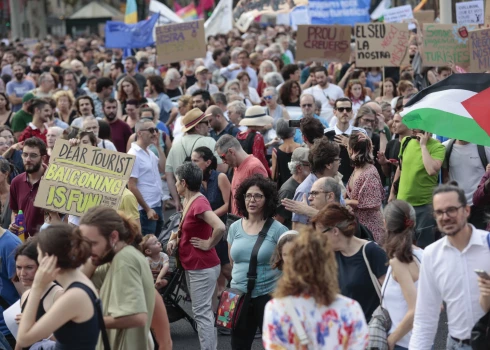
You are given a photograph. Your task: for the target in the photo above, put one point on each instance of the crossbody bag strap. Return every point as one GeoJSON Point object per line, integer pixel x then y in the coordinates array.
{"type": "Point", "coordinates": [298, 327]}
{"type": "Point", "coordinates": [103, 330]}
{"type": "Point", "coordinates": [252, 267]}
{"type": "Point", "coordinates": [371, 274]}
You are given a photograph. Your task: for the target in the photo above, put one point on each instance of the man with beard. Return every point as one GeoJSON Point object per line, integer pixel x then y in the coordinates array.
{"type": "Point", "coordinates": [120, 131]}
{"type": "Point", "coordinates": [201, 99]}
{"type": "Point", "coordinates": [41, 113]}
{"type": "Point", "coordinates": [85, 108]}
{"type": "Point", "coordinates": [156, 91]}
{"type": "Point", "coordinates": [145, 181]}
{"type": "Point", "coordinates": [116, 71]}
{"type": "Point", "coordinates": [77, 68]}
{"type": "Point", "coordinates": [448, 274]}
{"type": "Point", "coordinates": [121, 274]}
{"type": "Point", "coordinates": [218, 123]}
{"type": "Point", "coordinates": [130, 66]}
{"type": "Point", "coordinates": [340, 133]}
{"type": "Point", "coordinates": [104, 87]}
{"type": "Point", "coordinates": [18, 87]}
{"type": "Point", "coordinates": [24, 187]}
{"type": "Point", "coordinates": [71, 83]}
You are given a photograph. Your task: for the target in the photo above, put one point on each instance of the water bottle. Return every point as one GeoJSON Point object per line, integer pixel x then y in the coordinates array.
{"type": "Point", "coordinates": [19, 221]}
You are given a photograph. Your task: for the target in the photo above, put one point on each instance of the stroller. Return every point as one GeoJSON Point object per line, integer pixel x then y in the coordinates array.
{"type": "Point", "coordinates": [171, 293]}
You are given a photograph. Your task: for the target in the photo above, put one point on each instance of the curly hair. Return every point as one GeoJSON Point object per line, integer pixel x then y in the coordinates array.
{"type": "Point", "coordinates": [362, 149]}
{"type": "Point", "coordinates": [268, 188]}
{"type": "Point", "coordinates": [311, 269]}
{"type": "Point", "coordinates": [335, 215]}
{"type": "Point", "coordinates": [311, 128]}
{"type": "Point", "coordinates": [400, 221]}
{"type": "Point", "coordinates": [285, 91]}
{"type": "Point", "coordinates": [348, 89]}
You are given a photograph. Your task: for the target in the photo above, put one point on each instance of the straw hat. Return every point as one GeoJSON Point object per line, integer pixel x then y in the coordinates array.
{"type": "Point", "coordinates": [256, 116]}
{"type": "Point", "coordinates": [192, 118]}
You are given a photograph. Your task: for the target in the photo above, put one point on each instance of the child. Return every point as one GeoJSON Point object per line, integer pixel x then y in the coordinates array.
{"type": "Point", "coordinates": [281, 253]}
{"type": "Point", "coordinates": [158, 260]}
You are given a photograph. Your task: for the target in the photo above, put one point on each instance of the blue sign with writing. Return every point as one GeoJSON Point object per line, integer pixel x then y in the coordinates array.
{"type": "Point", "coordinates": [347, 12]}
{"type": "Point", "coordinates": [125, 36]}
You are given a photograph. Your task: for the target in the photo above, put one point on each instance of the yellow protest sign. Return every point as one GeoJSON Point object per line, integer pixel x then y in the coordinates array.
{"type": "Point", "coordinates": [81, 177]}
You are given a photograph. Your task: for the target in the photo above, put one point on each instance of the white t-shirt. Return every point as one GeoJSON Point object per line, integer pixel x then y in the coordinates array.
{"type": "Point", "coordinates": [106, 144]}
{"type": "Point", "coordinates": [332, 92]}
{"type": "Point", "coordinates": [466, 168]}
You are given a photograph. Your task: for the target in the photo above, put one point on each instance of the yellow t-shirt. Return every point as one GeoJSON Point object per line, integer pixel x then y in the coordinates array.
{"type": "Point", "coordinates": [126, 288]}
{"type": "Point", "coordinates": [129, 205]}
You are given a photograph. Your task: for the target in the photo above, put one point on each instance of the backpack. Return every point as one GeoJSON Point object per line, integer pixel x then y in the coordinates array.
{"type": "Point", "coordinates": [188, 157]}
{"type": "Point", "coordinates": [171, 225]}
{"type": "Point", "coordinates": [481, 153]}
{"type": "Point", "coordinates": [248, 143]}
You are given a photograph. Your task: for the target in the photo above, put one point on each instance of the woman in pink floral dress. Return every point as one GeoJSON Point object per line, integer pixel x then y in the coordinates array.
{"type": "Point", "coordinates": [365, 191]}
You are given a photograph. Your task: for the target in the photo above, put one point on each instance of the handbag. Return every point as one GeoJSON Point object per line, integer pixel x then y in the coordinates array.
{"type": "Point", "coordinates": [232, 302]}
{"type": "Point", "coordinates": [380, 323]}
{"type": "Point", "coordinates": [480, 334]}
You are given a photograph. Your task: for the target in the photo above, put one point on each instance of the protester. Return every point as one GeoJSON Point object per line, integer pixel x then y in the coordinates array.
{"type": "Point", "coordinates": [5, 111]}
{"type": "Point", "coordinates": [218, 123]}
{"type": "Point", "coordinates": [53, 134]}
{"type": "Point", "coordinates": [23, 116]}
{"type": "Point", "coordinates": [156, 90]}
{"type": "Point", "coordinates": [93, 125]}
{"type": "Point", "coordinates": [18, 87]}
{"type": "Point", "coordinates": [309, 288]}
{"type": "Point", "coordinates": [129, 90]}
{"type": "Point", "coordinates": [64, 106]}
{"type": "Point", "coordinates": [119, 129]}
{"type": "Point", "coordinates": [281, 155]}
{"type": "Point", "coordinates": [256, 201]}
{"type": "Point", "coordinates": [274, 109]}
{"type": "Point", "coordinates": [282, 252]}
{"type": "Point", "coordinates": [290, 93]}
{"type": "Point", "coordinates": [85, 108]}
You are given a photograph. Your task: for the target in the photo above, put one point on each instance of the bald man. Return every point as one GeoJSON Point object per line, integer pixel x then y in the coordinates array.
{"type": "Point", "coordinates": [218, 123]}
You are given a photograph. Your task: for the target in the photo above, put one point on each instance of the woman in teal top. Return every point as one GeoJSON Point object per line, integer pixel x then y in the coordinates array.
{"type": "Point", "coordinates": [256, 200]}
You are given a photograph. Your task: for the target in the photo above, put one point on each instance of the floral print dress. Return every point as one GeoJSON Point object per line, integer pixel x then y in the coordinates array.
{"type": "Point", "coordinates": [341, 325]}
{"type": "Point", "coordinates": [369, 192]}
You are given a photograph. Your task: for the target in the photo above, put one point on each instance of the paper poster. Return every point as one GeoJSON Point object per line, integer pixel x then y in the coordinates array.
{"type": "Point", "coordinates": [398, 14]}
{"type": "Point", "coordinates": [81, 177]}
{"type": "Point", "coordinates": [221, 21]}
{"type": "Point", "coordinates": [347, 12]}
{"type": "Point", "coordinates": [299, 15]}
{"type": "Point", "coordinates": [479, 46]}
{"type": "Point", "coordinates": [9, 317]}
{"type": "Point", "coordinates": [470, 12]}
{"type": "Point", "coordinates": [487, 13]}
{"type": "Point", "coordinates": [180, 41]}
{"type": "Point", "coordinates": [425, 16]}
{"type": "Point", "coordinates": [382, 44]}
{"type": "Point", "coordinates": [444, 44]}
{"type": "Point", "coordinates": [323, 43]}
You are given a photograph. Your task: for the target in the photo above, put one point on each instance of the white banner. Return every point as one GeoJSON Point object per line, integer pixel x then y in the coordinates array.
{"type": "Point", "coordinates": [398, 14]}
{"type": "Point", "coordinates": [470, 12]}
{"type": "Point", "coordinates": [167, 16]}
{"type": "Point", "coordinates": [221, 21]}
{"type": "Point", "coordinates": [299, 15]}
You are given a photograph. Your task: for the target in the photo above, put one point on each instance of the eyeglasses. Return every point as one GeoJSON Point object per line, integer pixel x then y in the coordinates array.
{"type": "Point", "coordinates": [150, 130]}
{"type": "Point", "coordinates": [268, 97]}
{"type": "Point", "coordinates": [316, 193]}
{"type": "Point", "coordinates": [307, 105]}
{"type": "Point", "coordinates": [450, 212]}
{"type": "Point", "coordinates": [223, 156]}
{"type": "Point", "coordinates": [346, 109]}
{"type": "Point", "coordinates": [256, 197]}
{"type": "Point", "coordinates": [30, 155]}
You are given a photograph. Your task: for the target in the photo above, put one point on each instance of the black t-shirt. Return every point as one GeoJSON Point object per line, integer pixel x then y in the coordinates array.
{"type": "Point", "coordinates": [173, 94]}
{"type": "Point", "coordinates": [345, 167]}
{"type": "Point", "coordinates": [287, 191]}
{"type": "Point", "coordinates": [354, 280]}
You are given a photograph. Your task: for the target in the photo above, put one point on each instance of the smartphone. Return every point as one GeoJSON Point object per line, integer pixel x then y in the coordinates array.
{"type": "Point", "coordinates": [393, 161]}
{"type": "Point", "coordinates": [294, 123]}
{"type": "Point", "coordinates": [482, 274]}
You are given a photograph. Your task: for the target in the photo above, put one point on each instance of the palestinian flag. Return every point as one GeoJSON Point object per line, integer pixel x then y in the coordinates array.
{"type": "Point", "coordinates": [457, 107]}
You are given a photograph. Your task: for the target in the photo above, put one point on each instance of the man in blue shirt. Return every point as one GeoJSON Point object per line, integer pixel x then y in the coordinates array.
{"type": "Point", "coordinates": [218, 123]}
{"type": "Point", "coordinates": [18, 87]}
{"type": "Point", "coordinates": [8, 292]}
{"type": "Point", "coordinates": [307, 104]}
{"type": "Point", "coordinates": [156, 89]}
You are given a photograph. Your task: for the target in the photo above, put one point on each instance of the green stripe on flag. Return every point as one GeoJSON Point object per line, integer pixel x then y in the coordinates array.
{"type": "Point", "coordinates": [446, 124]}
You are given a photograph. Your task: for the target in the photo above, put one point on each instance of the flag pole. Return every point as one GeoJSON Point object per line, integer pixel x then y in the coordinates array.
{"type": "Point", "coordinates": [383, 86]}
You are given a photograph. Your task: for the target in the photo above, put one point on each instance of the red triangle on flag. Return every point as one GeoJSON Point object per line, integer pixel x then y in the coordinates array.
{"type": "Point", "coordinates": [478, 106]}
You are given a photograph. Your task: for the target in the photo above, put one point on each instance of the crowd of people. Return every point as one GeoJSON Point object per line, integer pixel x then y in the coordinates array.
{"type": "Point", "coordinates": [298, 185]}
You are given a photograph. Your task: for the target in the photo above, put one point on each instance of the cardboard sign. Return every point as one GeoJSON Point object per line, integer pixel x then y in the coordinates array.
{"type": "Point", "coordinates": [81, 177]}
{"type": "Point", "coordinates": [180, 41]}
{"type": "Point", "coordinates": [424, 16]}
{"type": "Point", "coordinates": [323, 43]}
{"type": "Point", "coordinates": [470, 12]}
{"type": "Point", "coordinates": [444, 44]}
{"type": "Point", "coordinates": [398, 14]}
{"type": "Point", "coordinates": [479, 46]}
{"type": "Point", "coordinates": [382, 45]}
{"type": "Point", "coordinates": [487, 13]}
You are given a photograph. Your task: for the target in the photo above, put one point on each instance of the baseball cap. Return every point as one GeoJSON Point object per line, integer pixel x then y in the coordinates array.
{"type": "Point", "coordinates": [200, 69]}
{"type": "Point", "coordinates": [27, 97]}
{"type": "Point", "coordinates": [300, 154]}
{"type": "Point", "coordinates": [94, 68]}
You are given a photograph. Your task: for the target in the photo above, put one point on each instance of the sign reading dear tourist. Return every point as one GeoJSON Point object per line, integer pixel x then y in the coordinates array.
{"type": "Point", "coordinates": [323, 43]}
{"type": "Point", "coordinates": [470, 12]}
{"type": "Point", "coordinates": [479, 45]}
{"type": "Point", "coordinates": [444, 44]}
{"type": "Point", "coordinates": [180, 41]}
{"type": "Point", "coordinates": [81, 177]}
{"type": "Point", "coordinates": [382, 45]}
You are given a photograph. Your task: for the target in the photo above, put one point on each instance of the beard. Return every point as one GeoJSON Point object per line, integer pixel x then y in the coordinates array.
{"type": "Point", "coordinates": [369, 132]}
{"type": "Point", "coordinates": [19, 76]}
{"type": "Point", "coordinates": [457, 227]}
{"type": "Point", "coordinates": [107, 257]}
{"type": "Point", "coordinates": [111, 116]}
{"type": "Point", "coordinates": [30, 169]}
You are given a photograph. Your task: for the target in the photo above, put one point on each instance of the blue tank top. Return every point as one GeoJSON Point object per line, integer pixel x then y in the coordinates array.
{"type": "Point", "coordinates": [213, 193]}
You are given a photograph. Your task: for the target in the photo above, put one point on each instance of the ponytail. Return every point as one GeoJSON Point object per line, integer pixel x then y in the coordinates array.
{"type": "Point", "coordinates": [134, 236]}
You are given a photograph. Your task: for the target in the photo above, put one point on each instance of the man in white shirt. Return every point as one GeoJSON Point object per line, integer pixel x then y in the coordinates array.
{"type": "Point", "coordinates": [145, 181]}
{"type": "Point", "coordinates": [448, 274]}
{"type": "Point", "coordinates": [233, 70]}
{"type": "Point", "coordinates": [325, 92]}
{"type": "Point", "coordinates": [202, 76]}
{"type": "Point", "coordinates": [90, 123]}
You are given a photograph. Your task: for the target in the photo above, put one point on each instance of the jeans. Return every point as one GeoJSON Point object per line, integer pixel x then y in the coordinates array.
{"type": "Point", "coordinates": [454, 345]}
{"type": "Point", "coordinates": [242, 338]}
{"type": "Point", "coordinates": [202, 288]}
{"type": "Point", "coordinates": [426, 226]}
{"type": "Point", "coordinates": [151, 226]}
{"type": "Point", "coordinates": [398, 347]}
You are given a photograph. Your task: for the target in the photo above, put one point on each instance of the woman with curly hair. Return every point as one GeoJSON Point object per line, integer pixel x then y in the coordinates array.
{"type": "Point", "coordinates": [357, 94]}
{"type": "Point", "coordinates": [364, 190]}
{"type": "Point", "coordinates": [309, 288]}
{"type": "Point", "coordinates": [289, 93]}
{"type": "Point", "coordinates": [128, 90]}
{"type": "Point", "coordinates": [400, 285]}
{"type": "Point", "coordinates": [257, 201]}
{"type": "Point", "coordinates": [338, 226]}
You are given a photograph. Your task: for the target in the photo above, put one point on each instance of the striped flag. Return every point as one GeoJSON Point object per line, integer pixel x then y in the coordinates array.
{"type": "Point", "coordinates": [131, 15]}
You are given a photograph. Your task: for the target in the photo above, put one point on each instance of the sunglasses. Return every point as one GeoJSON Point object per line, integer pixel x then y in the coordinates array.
{"type": "Point", "coordinates": [346, 109]}
{"type": "Point", "coordinates": [150, 130]}
{"type": "Point", "coordinates": [268, 97]}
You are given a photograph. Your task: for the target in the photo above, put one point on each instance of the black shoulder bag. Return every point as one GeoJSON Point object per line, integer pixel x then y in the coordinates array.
{"type": "Point", "coordinates": [233, 305]}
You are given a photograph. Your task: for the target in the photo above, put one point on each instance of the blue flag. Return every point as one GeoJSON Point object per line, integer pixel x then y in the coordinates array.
{"type": "Point", "coordinates": [126, 36]}
{"type": "Point", "coordinates": [347, 12]}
